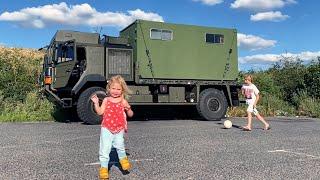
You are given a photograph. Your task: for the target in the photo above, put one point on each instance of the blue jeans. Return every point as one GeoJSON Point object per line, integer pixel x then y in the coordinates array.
{"type": "Point", "coordinates": [107, 140]}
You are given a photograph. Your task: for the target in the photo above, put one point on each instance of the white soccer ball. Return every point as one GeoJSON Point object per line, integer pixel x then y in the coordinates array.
{"type": "Point", "coordinates": [227, 124]}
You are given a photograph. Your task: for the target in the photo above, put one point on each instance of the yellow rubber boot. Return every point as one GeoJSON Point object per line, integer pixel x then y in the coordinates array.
{"type": "Point", "coordinates": [103, 173]}
{"type": "Point", "coordinates": [125, 164]}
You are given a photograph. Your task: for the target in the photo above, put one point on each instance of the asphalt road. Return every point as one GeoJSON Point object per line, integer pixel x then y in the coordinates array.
{"type": "Point", "coordinates": [165, 149]}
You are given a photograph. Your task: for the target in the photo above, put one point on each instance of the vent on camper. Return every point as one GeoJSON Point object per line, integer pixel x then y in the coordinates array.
{"type": "Point", "coordinates": [120, 63]}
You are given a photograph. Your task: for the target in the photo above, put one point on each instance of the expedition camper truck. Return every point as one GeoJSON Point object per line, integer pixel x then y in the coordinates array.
{"type": "Point", "coordinates": [162, 63]}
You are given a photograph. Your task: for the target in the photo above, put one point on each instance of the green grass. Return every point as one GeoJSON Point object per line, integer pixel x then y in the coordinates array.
{"type": "Point", "coordinates": [307, 106]}
{"type": "Point", "coordinates": [33, 108]}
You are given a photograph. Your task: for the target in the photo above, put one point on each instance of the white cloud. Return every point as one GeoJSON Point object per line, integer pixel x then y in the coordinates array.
{"type": "Point", "coordinates": [251, 42]}
{"type": "Point", "coordinates": [269, 16]}
{"type": "Point", "coordinates": [258, 5]}
{"type": "Point", "coordinates": [209, 2]}
{"type": "Point", "coordinates": [139, 14]}
{"type": "Point", "coordinates": [259, 58]}
{"type": "Point", "coordinates": [82, 14]}
{"type": "Point", "coordinates": [305, 56]}
{"type": "Point", "coordinates": [14, 16]}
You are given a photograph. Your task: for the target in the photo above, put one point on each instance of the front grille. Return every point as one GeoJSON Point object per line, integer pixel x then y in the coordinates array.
{"type": "Point", "coordinates": [120, 62]}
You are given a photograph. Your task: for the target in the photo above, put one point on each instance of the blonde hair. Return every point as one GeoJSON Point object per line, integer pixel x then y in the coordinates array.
{"type": "Point", "coordinates": [248, 77]}
{"type": "Point", "coordinates": [119, 79]}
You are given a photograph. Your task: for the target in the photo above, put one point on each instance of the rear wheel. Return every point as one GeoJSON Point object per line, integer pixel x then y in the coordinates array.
{"type": "Point", "coordinates": [212, 104]}
{"type": "Point", "coordinates": [85, 108]}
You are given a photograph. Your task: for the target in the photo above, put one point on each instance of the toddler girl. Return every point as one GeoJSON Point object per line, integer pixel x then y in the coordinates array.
{"type": "Point", "coordinates": [115, 109]}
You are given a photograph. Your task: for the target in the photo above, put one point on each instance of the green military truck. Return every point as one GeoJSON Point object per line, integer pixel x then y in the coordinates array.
{"type": "Point", "coordinates": [163, 64]}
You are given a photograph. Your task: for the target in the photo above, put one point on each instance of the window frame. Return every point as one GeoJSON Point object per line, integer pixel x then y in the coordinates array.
{"type": "Point", "coordinates": [221, 40]}
{"type": "Point", "coordinates": [161, 34]}
{"type": "Point", "coordinates": [62, 55]}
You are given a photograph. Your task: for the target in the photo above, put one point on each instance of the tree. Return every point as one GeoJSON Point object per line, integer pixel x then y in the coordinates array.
{"type": "Point", "coordinates": [312, 79]}
{"type": "Point", "coordinates": [289, 74]}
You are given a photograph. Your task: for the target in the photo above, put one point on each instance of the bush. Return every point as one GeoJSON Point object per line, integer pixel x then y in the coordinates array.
{"type": "Point", "coordinates": [269, 105]}
{"type": "Point", "coordinates": [32, 109]}
{"type": "Point", "coordinates": [266, 83]}
{"type": "Point", "coordinates": [19, 101]}
{"type": "Point", "coordinates": [288, 75]}
{"type": "Point", "coordinates": [19, 71]}
{"type": "Point", "coordinates": [312, 79]}
{"type": "Point", "coordinates": [307, 106]}
{"type": "Point", "coordinates": [272, 105]}
{"type": "Point", "coordinates": [240, 111]}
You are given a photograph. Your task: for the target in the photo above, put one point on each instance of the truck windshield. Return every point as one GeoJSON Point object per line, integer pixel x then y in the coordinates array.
{"type": "Point", "coordinates": [65, 53]}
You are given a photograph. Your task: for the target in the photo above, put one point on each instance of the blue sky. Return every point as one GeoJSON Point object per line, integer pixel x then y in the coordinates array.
{"type": "Point", "coordinates": [268, 30]}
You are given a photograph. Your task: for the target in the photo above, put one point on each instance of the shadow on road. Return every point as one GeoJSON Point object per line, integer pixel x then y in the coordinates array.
{"type": "Point", "coordinates": [114, 161]}
{"type": "Point", "coordinates": [154, 112]}
{"type": "Point", "coordinates": [65, 115]}
{"type": "Point", "coordinates": [141, 113]}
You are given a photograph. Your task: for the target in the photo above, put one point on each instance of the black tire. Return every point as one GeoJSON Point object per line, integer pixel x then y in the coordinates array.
{"type": "Point", "coordinates": [85, 109]}
{"type": "Point", "coordinates": [212, 104]}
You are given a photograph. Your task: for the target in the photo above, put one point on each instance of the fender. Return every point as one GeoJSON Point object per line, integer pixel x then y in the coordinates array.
{"type": "Point", "coordinates": [96, 78]}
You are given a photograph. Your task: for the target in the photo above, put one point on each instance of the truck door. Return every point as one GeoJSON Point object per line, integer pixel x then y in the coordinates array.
{"type": "Point", "coordinates": [63, 64]}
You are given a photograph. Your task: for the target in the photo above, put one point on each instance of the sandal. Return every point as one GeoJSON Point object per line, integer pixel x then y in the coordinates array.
{"type": "Point", "coordinates": [267, 128]}
{"type": "Point", "coordinates": [245, 129]}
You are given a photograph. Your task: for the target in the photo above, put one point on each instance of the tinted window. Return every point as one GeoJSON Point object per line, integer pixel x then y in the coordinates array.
{"type": "Point", "coordinates": [155, 34]}
{"type": "Point", "coordinates": [161, 34]}
{"type": "Point", "coordinates": [65, 53]}
{"type": "Point", "coordinates": [166, 35]}
{"type": "Point", "coordinates": [215, 38]}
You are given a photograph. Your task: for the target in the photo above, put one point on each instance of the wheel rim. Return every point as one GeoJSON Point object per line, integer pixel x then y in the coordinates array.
{"type": "Point", "coordinates": [213, 104]}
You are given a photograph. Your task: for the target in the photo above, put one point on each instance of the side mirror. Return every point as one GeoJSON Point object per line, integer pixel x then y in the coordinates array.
{"type": "Point", "coordinates": [43, 48]}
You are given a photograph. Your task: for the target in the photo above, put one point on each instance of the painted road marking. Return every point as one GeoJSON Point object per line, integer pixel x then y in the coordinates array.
{"type": "Point", "coordinates": [294, 153]}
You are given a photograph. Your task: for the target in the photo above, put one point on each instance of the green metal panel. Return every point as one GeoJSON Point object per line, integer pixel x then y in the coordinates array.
{"type": "Point", "coordinates": [140, 98]}
{"type": "Point", "coordinates": [176, 94]}
{"type": "Point", "coordinates": [186, 56]}
{"type": "Point", "coordinates": [95, 60]}
{"type": "Point", "coordinates": [117, 40]}
{"type": "Point", "coordinates": [139, 90]}
{"type": "Point", "coordinates": [130, 33]}
{"type": "Point", "coordinates": [62, 73]}
{"type": "Point", "coordinates": [119, 62]}
{"type": "Point", "coordinates": [79, 37]}
{"type": "Point", "coordinates": [163, 98]}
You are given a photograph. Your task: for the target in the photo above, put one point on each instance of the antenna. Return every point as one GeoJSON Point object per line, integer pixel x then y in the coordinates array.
{"type": "Point", "coordinates": [98, 29]}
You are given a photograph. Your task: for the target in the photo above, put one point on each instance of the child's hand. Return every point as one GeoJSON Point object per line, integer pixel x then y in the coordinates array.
{"type": "Point", "coordinates": [95, 99]}
{"type": "Point", "coordinates": [127, 108]}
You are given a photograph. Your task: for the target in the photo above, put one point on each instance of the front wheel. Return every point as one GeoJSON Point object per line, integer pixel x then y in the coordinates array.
{"type": "Point", "coordinates": [212, 104]}
{"type": "Point", "coordinates": [85, 108]}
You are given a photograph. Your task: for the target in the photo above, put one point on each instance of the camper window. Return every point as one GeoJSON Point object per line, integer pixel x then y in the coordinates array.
{"type": "Point", "coordinates": [166, 35]}
{"type": "Point", "coordinates": [215, 38]}
{"type": "Point", "coordinates": [160, 34]}
{"type": "Point", "coordinates": [155, 34]}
